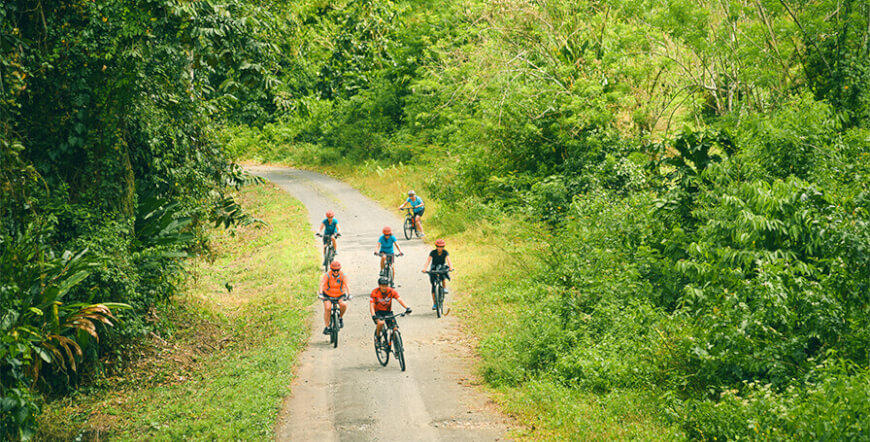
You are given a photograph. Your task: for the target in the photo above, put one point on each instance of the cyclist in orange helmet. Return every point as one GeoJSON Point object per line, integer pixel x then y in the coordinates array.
{"type": "Point", "coordinates": [333, 288]}
{"type": "Point", "coordinates": [439, 259]}
{"type": "Point", "coordinates": [330, 229]}
{"type": "Point", "coordinates": [388, 245]}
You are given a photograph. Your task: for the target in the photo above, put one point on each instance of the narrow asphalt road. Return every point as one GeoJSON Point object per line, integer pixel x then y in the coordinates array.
{"type": "Point", "coordinates": [343, 393]}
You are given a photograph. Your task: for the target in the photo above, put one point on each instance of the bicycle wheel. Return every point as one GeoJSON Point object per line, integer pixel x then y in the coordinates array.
{"type": "Point", "coordinates": [439, 300]}
{"type": "Point", "coordinates": [399, 349]}
{"type": "Point", "coordinates": [408, 227]}
{"type": "Point", "coordinates": [391, 274]}
{"type": "Point", "coordinates": [381, 349]}
{"type": "Point", "coordinates": [333, 328]}
{"type": "Point", "coordinates": [327, 259]}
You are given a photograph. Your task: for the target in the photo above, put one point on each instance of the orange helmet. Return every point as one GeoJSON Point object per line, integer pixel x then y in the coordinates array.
{"type": "Point", "coordinates": [335, 265]}
{"type": "Point", "coordinates": [440, 243]}
{"type": "Point", "coordinates": [330, 214]}
{"type": "Point", "coordinates": [388, 230]}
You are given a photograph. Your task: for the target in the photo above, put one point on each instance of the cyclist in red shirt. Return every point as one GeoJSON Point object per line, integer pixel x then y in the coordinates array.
{"type": "Point", "coordinates": [381, 304]}
{"type": "Point", "coordinates": [333, 288]}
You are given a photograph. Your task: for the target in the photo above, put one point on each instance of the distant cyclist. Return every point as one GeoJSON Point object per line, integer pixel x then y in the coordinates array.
{"type": "Point", "coordinates": [330, 230]}
{"type": "Point", "coordinates": [388, 245]}
{"type": "Point", "coordinates": [333, 288]}
{"type": "Point", "coordinates": [440, 260]}
{"type": "Point", "coordinates": [381, 304]}
{"type": "Point", "coordinates": [418, 207]}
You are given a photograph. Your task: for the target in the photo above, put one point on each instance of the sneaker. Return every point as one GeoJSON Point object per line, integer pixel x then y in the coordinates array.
{"type": "Point", "coordinates": [434, 306]}
{"type": "Point", "coordinates": [325, 330]}
{"type": "Point", "coordinates": [446, 291]}
{"type": "Point", "coordinates": [340, 322]}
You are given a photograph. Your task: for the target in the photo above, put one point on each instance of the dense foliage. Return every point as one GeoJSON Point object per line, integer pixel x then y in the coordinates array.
{"type": "Point", "coordinates": [702, 167]}
{"type": "Point", "coordinates": [108, 172]}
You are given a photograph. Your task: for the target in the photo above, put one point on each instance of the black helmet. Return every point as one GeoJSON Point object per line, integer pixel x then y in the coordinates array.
{"type": "Point", "coordinates": [383, 281]}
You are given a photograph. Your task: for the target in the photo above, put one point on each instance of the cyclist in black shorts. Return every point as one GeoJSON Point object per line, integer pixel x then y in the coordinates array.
{"type": "Point", "coordinates": [417, 204]}
{"type": "Point", "coordinates": [439, 259]}
{"type": "Point", "coordinates": [381, 304]}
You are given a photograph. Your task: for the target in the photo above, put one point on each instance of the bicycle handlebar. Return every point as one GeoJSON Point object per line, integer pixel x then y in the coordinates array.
{"type": "Point", "coordinates": [346, 297]}
{"type": "Point", "coordinates": [393, 316]}
{"type": "Point", "coordinates": [382, 254]}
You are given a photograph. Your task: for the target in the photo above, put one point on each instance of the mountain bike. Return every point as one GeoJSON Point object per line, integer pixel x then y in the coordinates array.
{"type": "Point", "coordinates": [328, 250]}
{"type": "Point", "coordinates": [409, 227]}
{"type": "Point", "coordinates": [388, 270]}
{"type": "Point", "coordinates": [440, 274]}
{"type": "Point", "coordinates": [334, 317]}
{"type": "Point", "coordinates": [390, 339]}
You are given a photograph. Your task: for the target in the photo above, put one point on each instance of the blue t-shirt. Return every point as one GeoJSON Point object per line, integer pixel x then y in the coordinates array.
{"type": "Point", "coordinates": [416, 202]}
{"type": "Point", "coordinates": [329, 229]}
{"type": "Point", "coordinates": [387, 243]}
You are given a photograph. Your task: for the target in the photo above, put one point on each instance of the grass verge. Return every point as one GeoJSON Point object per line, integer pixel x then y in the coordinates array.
{"type": "Point", "coordinates": [235, 333]}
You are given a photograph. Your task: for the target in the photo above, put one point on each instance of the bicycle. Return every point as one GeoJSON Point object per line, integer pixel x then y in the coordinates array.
{"type": "Point", "coordinates": [390, 339]}
{"type": "Point", "coordinates": [334, 317]}
{"type": "Point", "coordinates": [328, 250]}
{"type": "Point", "coordinates": [440, 274]}
{"type": "Point", "coordinates": [409, 227]}
{"type": "Point", "coordinates": [388, 270]}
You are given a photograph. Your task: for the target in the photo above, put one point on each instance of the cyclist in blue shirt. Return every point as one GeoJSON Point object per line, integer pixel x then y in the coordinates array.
{"type": "Point", "coordinates": [329, 228]}
{"type": "Point", "coordinates": [387, 245]}
{"type": "Point", "coordinates": [417, 204]}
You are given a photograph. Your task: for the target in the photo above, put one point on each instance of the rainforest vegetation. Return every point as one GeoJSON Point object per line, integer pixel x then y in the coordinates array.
{"type": "Point", "coordinates": [698, 169]}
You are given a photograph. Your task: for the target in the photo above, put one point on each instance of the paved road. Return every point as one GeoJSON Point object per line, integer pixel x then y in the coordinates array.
{"type": "Point", "coordinates": [344, 394]}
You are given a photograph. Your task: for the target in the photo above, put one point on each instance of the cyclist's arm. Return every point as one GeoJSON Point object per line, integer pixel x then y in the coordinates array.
{"type": "Point", "coordinates": [428, 260]}
{"type": "Point", "coordinates": [321, 227]}
{"type": "Point", "coordinates": [323, 283]}
{"type": "Point", "coordinates": [372, 306]}
{"type": "Point", "coordinates": [396, 245]}
{"type": "Point", "coordinates": [401, 301]}
{"type": "Point", "coordinates": [403, 205]}
{"type": "Point", "coordinates": [449, 264]}
{"type": "Point", "coordinates": [418, 205]}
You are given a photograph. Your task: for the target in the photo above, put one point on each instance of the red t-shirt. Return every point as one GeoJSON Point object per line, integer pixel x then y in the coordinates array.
{"type": "Point", "coordinates": [384, 301]}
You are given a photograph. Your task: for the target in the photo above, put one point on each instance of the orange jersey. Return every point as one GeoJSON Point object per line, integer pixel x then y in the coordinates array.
{"type": "Point", "coordinates": [332, 285]}
{"type": "Point", "coordinates": [384, 301]}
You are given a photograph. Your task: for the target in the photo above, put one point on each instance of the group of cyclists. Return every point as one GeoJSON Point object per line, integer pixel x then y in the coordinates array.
{"type": "Point", "coordinates": [333, 284]}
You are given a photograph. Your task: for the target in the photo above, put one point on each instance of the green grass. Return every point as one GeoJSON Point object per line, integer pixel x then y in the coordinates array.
{"type": "Point", "coordinates": [229, 362]}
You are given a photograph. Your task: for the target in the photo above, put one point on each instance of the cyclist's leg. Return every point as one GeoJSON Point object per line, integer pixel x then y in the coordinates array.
{"type": "Point", "coordinates": [383, 261]}
{"type": "Point", "coordinates": [327, 306]}
{"type": "Point", "coordinates": [334, 244]}
{"type": "Point", "coordinates": [342, 306]}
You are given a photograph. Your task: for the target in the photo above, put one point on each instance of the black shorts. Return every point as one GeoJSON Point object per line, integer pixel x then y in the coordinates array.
{"type": "Point", "coordinates": [324, 297]}
{"type": "Point", "coordinates": [391, 322]}
{"type": "Point", "coordinates": [433, 281]}
{"type": "Point", "coordinates": [420, 213]}
{"type": "Point", "coordinates": [327, 238]}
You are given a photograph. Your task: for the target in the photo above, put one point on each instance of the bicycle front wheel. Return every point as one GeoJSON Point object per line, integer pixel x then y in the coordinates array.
{"type": "Point", "coordinates": [333, 328]}
{"type": "Point", "coordinates": [381, 349]}
{"type": "Point", "coordinates": [399, 349]}
{"type": "Point", "coordinates": [409, 228]}
{"type": "Point", "coordinates": [439, 300]}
